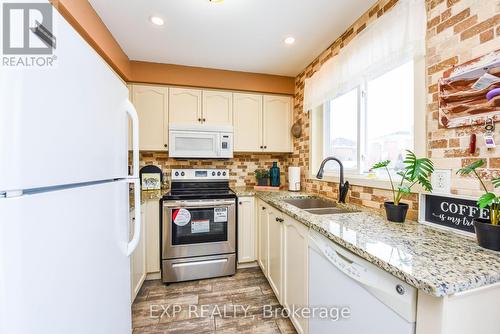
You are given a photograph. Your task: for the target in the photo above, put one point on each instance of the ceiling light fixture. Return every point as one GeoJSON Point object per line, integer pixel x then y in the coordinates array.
{"type": "Point", "coordinates": [216, 1]}
{"type": "Point", "coordinates": [156, 20]}
{"type": "Point", "coordinates": [289, 40]}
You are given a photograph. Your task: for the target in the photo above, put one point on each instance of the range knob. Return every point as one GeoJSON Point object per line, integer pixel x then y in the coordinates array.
{"type": "Point", "coordinates": [218, 173]}
{"type": "Point", "coordinates": [223, 173]}
{"type": "Point", "coordinates": [213, 173]}
{"type": "Point", "coordinates": [176, 174]}
{"type": "Point", "coordinates": [182, 173]}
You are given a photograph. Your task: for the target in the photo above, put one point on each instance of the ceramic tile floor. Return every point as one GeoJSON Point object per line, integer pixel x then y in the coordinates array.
{"type": "Point", "coordinates": [218, 305]}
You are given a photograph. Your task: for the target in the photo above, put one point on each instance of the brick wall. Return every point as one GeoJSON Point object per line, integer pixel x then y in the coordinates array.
{"type": "Point", "coordinates": [459, 31]}
{"type": "Point", "coordinates": [366, 196]}
{"type": "Point", "coordinates": [242, 167]}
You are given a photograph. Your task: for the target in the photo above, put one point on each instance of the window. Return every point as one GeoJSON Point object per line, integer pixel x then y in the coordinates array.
{"type": "Point", "coordinates": [372, 122]}
{"type": "Point", "coordinates": [341, 139]}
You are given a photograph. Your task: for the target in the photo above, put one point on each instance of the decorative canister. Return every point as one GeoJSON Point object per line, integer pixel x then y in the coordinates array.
{"type": "Point", "coordinates": [274, 175]}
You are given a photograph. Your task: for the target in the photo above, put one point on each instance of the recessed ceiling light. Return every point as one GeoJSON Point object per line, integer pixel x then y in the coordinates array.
{"type": "Point", "coordinates": [156, 20]}
{"type": "Point", "coordinates": [216, 1]}
{"type": "Point", "coordinates": [289, 40]}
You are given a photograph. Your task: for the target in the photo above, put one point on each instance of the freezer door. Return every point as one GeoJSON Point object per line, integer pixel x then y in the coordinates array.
{"type": "Point", "coordinates": [63, 262]}
{"type": "Point", "coordinates": [64, 124]}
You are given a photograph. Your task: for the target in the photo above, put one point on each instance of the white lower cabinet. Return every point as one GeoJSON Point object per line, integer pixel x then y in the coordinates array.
{"type": "Point", "coordinates": [247, 230]}
{"type": "Point", "coordinates": [295, 270]}
{"type": "Point", "coordinates": [138, 258]}
{"type": "Point", "coordinates": [152, 213]}
{"type": "Point", "coordinates": [262, 240]}
{"type": "Point", "coordinates": [275, 259]}
{"type": "Point", "coordinates": [283, 257]}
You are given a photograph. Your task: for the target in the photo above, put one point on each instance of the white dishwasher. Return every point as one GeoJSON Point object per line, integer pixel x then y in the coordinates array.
{"type": "Point", "coordinates": [379, 303]}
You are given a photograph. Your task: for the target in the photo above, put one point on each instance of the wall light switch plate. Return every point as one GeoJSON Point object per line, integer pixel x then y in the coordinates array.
{"type": "Point", "coordinates": [441, 181]}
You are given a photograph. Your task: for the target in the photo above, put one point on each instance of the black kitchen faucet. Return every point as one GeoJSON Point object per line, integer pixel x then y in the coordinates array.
{"type": "Point", "coordinates": [343, 186]}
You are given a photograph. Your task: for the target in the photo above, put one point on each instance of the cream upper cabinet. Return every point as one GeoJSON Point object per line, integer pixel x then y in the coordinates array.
{"type": "Point", "coordinates": [263, 220]}
{"type": "Point", "coordinates": [217, 108]}
{"type": "Point", "coordinates": [247, 230]}
{"type": "Point", "coordinates": [151, 103]}
{"type": "Point", "coordinates": [247, 122]}
{"type": "Point", "coordinates": [185, 106]}
{"type": "Point", "coordinates": [275, 251]}
{"type": "Point", "coordinates": [277, 122]}
{"type": "Point", "coordinates": [295, 269]}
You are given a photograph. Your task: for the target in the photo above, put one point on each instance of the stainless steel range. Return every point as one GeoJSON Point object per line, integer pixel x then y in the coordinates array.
{"type": "Point", "coordinates": [198, 222]}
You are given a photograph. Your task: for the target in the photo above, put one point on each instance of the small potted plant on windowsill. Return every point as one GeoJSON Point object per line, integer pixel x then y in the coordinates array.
{"type": "Point", "coordinates": [262, 176]}
{"type": "Point", "coordinates": [416, 171]}
{"type": "Point", "coordinates": [487, 230]}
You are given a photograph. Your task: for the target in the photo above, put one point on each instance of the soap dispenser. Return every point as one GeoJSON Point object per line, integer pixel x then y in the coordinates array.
{"type": "Point", "coordinates": [274, 175]}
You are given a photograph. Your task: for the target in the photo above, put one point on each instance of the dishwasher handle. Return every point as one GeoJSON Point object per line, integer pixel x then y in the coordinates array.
{"type": "Point", "coordinates": [343, 263]}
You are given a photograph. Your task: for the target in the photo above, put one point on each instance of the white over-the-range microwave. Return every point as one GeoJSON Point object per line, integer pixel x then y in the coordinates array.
{"type": "Point", "coordinates": [205, 142]}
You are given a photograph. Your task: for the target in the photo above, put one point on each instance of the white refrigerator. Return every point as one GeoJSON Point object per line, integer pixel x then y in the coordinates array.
{"type": "Point", "coordinates": [64, 194]}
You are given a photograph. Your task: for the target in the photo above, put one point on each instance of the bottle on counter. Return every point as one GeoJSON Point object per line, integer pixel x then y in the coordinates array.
{"type": "Point", "coordinates": [274, 175]}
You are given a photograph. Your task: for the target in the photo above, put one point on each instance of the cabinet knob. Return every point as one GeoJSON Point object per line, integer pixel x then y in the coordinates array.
{"type": "Point", "coordinates": [241, 203]}
{"type": "Point", "coordinates": [199, 119]}
{"type": "Point", "coordinates": [261, 146]}
{"type": "Point", "coordinates": [166, 145]}
{"type": "Point", "coordinates": [263, 208]}
{"type": "Point", "coordinates": [265, 146]}
{"type": "Point", "coordinates": [277, 219]}
{"type": "Point", "coordinates": [204, 120]}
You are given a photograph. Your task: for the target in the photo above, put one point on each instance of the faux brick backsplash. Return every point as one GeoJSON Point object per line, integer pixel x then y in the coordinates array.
{"type": "Point", "coordinates": [459, 31]}
{"type": "Point", "coordinates": [242, 167]}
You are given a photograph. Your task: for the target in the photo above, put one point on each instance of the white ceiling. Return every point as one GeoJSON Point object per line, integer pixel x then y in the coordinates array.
{"type": "Point", "coordinates": [241, 35]}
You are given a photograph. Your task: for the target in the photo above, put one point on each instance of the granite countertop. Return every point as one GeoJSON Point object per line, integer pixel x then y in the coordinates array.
{"type": "Point", "coordinates": [146, 195]}
{"type": "Point", "coordinates": [438, 262]}
{"type": "Point", "coordinates": [243, 191]}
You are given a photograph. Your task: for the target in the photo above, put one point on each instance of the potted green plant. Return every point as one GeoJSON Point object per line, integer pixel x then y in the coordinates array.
{"type": "Point", "coordinates": [416, 171]}
{"type": "Point", "coordinates": [262, 176]}
{"type": "Point", "coordinates": [487, 230]}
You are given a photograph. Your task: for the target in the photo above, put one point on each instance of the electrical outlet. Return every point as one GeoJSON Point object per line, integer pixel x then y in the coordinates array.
{"type": "Point", "coordinates": [441, 181]}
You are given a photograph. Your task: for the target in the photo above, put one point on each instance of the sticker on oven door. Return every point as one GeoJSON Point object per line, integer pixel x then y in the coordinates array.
{"type": "Point", "coordinates": [181, 217]}
{"type": "Point", "coordinates": [200, 226]}
{"type": "Point", "coordinates": [220, 215]}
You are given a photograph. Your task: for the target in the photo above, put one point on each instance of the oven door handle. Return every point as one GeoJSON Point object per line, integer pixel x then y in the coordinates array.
{"type": "Point", "coordinates": [197, 204]}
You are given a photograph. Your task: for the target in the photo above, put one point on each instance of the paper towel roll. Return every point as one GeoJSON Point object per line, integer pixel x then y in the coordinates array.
{"type": "Point", "coordinates": [294, 178]}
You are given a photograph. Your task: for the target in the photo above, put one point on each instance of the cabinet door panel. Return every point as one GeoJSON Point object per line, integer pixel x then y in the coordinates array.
{"type": "Point", "coordinates": [275, 246]}
{"type": "Point", "coordinates": [151, 103]}
{"type": "Point", "coordinates": [246, 230]}
{"type": "Point", "coordinates": [217, 108]}
{"type": "Point", "coordinates": [247, 122]}
{"type": "Point", "coordinates": [263, 237]}
{"type": "Point", "coordinates": [185, 106]}
{"type": "Point", "coordinates": [152, 209]}
{"type": "Point", "coordinates": [277, 123]}
{"type": "Point", "coordinates": [295, 269]}
{"type": "Point", "coordinates": [138, 259]}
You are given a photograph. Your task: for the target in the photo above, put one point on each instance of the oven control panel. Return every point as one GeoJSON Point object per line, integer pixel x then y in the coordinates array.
{"type": "Point", "coordinates": [200, 174]}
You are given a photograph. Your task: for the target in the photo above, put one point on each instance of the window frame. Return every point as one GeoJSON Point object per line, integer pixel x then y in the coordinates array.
{"type": "Point", "coordinates": [318, 124]}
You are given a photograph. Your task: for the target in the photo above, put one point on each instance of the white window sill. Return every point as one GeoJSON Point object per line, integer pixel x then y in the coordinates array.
{"type": "Point", "coordinates": [365, 181]}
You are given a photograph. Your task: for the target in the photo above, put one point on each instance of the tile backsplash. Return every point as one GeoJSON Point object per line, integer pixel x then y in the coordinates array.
{"type": "Point", "coordinates": [242, 167]}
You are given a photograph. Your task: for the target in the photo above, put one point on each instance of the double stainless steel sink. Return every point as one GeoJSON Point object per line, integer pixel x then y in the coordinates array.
{"type": "Point", "coordinates": [318, 206]}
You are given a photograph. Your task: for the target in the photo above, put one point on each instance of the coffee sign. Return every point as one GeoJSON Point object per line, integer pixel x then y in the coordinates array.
{"type": "Point", "coordinates": [456, 213]}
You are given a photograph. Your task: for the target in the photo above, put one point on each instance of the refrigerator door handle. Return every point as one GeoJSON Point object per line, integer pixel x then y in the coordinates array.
{"type": "Point", "coordinates": [135, 139]}
{"type": "Point", "coordinates": [132, 245]}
